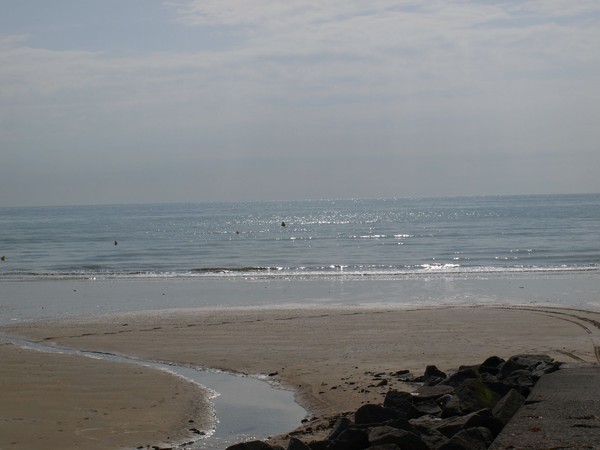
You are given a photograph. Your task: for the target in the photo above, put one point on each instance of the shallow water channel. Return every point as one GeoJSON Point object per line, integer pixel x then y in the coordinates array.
{"type": "Point", "coordinates": [245, 407]}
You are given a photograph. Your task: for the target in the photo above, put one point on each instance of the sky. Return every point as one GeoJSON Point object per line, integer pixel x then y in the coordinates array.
{"type": "Point", "coordinates": [135, 101]}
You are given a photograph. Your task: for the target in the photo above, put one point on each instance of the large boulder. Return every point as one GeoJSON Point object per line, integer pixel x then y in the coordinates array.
{"type": "Point", "coordinates": [297, 444]}
{"type": "Point", "coordinates": [425, 408]}
{"type": "Point", "coordinates": [431, 436]}
{"type": "Point", "coordinates": [492, 365]}
{"type": "Point", "coordinates": [479, 438]}
{"type": "Point", "coordinates": [424, 393]}
{"type": "Point", "coordinates": [353, 438]}
{"type": "Point", "coordinates": [385, 447]}
{"type": "Point", "coordinates": [469, 397]}
{"type": "Point", "coordinates": [253, 445]}
{"type": "Point", "coordinates": [458, 378]}
{"type": "Point", "coordinates": [406, 440]}
{"type": "Point", "coordinates": [399, 401]}
{"type": "Point", "coordinates": [432, 376]}
{"type": "Point", "coordinates": [484, 418]}
{"type": "Point", "coordinates": [339, 426]}
{"type": "Point", "coordinates": [370, 413]}
{"type": "Point", "coordinates": [536, 364]}
{"type": "Point", "coordinates": [320, 445]}
{"type": "Point", "coordinates": [507, 406]}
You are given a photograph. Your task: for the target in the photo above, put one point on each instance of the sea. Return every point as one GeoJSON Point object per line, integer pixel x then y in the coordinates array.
{"type": "Point", "coordinates": [78, 260]}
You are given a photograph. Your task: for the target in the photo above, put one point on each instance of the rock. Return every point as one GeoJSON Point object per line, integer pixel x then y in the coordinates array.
{"type": "Point", "coordinates": [404, 439]}
{"type": "Point", "coordinates": [425, 422]}
{"type": "Point", "coordinates": [491, 365]}
{"type": "Point", "coordinates": [479, 438]}
{"type": "Point", "coordinates": [401, 402]}
{"type": "Point", "coordinates": [487, 377]}
{"type": "Point", "coordinates": [253, 445]}
{"type": "Point", "coordinates": [433, 381]}
{"type": "Point", "coordinates": [297, 444]}
{"type": "Point", "coordinates": [427, 407]}
{"type": "Point", "coordinates": [432, 437]}
{"type": "Point", "coordinates": [431, 377]}
{"type": "Point", "coordinates": [498, 386]}
{"type": "Point", "coordinates": [319, 445]}
{"type": "Point", "coordinates": [484, 418]}
{"type": "Point", "coordinates": [469, 397]}
{"type": "Point", "coordinates": [340, 425]}
{"type": "Point", "coordinates": [431, 392]}
{"type": "Point", "coordinates": [354, 438]}
{"type": "Point", "coordinates": [538, 364]}
{"type": "Point", "coordinates": [507, 406]}
{"type": "Point", "coordinates": [385, 447]}
{"type": "Point", "coordinates": [341, 445]}
{"type": "Point", "coordinates": [461, 376]}
{"type": "Point", "coordinates": [433, 371]}
{"type": "Point", "coordinates": [401, 424]}
{"type": "Point", "coordinates": [521, 378]}
{"type": "Point", "coordinates": [452, 425]}
{"type": "Point", "coordinates": [543, 369]}
{"type": "Point", "coordinates": [370, 413]}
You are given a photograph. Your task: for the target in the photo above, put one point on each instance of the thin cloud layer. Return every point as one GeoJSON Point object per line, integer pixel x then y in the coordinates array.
{"type": "Point", "coordinates": [407, 82]}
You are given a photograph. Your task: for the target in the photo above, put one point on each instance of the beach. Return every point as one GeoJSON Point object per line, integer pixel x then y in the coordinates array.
{"type": "Point", "coordinates": [334, 358]}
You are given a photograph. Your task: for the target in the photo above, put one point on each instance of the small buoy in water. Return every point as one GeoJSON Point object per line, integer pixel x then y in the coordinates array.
{"type": "Point", "coordinates": [283, 224]}
{"type": "Point", "coordinates": [116, 243]}
{"type": "Point", "coordinates": [3, 258]}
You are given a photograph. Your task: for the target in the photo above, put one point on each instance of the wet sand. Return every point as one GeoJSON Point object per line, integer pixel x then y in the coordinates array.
{"type": "Point", "coordinates": [334, 358]}
{"type": "Point", "coordinates": [50, 400]}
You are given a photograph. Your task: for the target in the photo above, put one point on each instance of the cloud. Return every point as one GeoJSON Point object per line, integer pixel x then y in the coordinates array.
{"type": "Point", "coordinates": [337, 79]}
{"type": "Point", "coordinates": [432, 34]}
{"type": "Point", "coordinates": [333, 48]}
{"type": "Point", "coordinates": [413, 53]}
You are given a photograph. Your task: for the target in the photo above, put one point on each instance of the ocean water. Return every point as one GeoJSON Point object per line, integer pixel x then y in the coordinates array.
{"type": "Point", "coordinates": [321, 239]}
{"type": "Point", "coordinates": [90, 259]}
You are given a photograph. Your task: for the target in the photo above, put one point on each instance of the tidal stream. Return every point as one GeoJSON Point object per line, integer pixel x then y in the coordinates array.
{"type": "Point", "coordinates": [245, 407]}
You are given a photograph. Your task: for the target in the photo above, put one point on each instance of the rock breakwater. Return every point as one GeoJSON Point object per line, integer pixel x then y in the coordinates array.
{"type": "Point", "coordinates": [464, 410]}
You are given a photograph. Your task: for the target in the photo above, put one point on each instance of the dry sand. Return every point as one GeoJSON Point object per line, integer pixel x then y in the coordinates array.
{"type": "Point", "coordinates": [334, 358]}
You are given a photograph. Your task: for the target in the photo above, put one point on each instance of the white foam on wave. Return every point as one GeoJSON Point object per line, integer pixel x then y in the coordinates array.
{"type": "Point", "coordinates": [440, 267]}
{"type": "Point", "coordinates": [334, 270]}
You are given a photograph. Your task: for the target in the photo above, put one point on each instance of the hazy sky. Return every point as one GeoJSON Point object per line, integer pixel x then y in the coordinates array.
{"type": "Point", "coordinates": [114, 101]}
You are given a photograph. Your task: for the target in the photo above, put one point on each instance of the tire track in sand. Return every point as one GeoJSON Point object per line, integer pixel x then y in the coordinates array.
{"type": "Point", "coordinates": [577, 317]}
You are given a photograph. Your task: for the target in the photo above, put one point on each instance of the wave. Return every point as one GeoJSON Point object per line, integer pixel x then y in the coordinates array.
{"type": "Point", "coordinates": [209, 270]}
{"type": "Point", "coordinates": [332, 271]}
